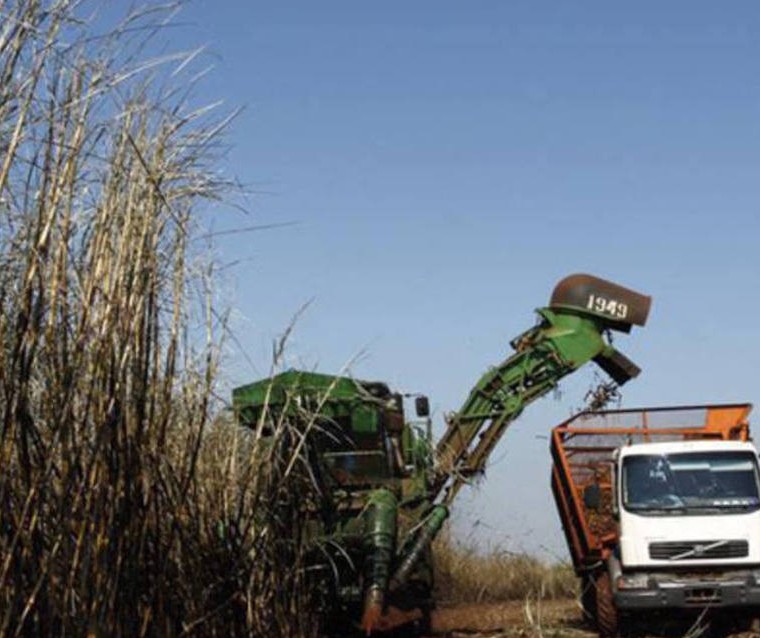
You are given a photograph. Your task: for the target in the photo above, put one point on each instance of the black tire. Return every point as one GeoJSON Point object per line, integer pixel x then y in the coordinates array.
{"type": "Point", "coordinates": [607, 618]}
{"type": "Point", "coordinates": [588, 599]}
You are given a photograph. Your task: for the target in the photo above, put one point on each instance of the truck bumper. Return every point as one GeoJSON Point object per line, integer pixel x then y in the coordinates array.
{"type": "Point", "coordinates": [739, 589]}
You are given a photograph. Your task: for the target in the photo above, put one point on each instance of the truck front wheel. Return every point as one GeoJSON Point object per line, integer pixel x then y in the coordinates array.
{"type": "Point", "coordinates": [607, 621]}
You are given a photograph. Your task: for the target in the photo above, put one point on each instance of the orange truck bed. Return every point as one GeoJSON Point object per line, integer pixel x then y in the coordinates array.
{"type": "Point", "coordinates": [582, 450]}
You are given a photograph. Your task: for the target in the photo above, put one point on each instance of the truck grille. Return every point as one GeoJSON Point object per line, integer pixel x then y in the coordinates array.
{"type": "Point", "coordinates": [697, 550]}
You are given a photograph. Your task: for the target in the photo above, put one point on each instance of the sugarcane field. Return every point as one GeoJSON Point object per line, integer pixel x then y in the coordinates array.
{"type": "Point", "coordinates": [385, 320]}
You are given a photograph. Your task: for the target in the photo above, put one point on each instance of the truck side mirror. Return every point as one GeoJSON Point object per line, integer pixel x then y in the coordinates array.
{"type": "Point", "coordinates": [422, 406]}
{"type": "Point", "coordinates": [592, 497]}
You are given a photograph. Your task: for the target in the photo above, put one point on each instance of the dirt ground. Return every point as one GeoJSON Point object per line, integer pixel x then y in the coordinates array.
{"type": "Point", "coordinates": [559, 618]}
{"type": "Point", "coordinates": [518, 618]}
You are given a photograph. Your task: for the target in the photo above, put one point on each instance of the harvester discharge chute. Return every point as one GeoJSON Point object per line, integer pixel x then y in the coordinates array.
{"type": "Point", "coordinates": [571, 332]}
{"type": "Point", "coordinates": [387, 490]}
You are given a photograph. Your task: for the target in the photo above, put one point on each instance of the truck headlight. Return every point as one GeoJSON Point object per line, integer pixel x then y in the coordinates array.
{"type": "Point", "coordinates": [633, 581]}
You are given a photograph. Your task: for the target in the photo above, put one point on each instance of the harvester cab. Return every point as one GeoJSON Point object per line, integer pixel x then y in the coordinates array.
{"type": "Point", "coordinates": [357, 430]}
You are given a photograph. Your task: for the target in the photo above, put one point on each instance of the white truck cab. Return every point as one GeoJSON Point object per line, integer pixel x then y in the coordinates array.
{"type": "Point", "coordinates": [689, 524]}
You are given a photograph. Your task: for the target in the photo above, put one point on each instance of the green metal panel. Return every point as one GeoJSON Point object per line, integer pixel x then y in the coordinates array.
{"type": "Point", "coordinates": [365, 418]}
{"type": "Point", "coordinates": [294, 391]}
{"type": "Point", "coordinates": [274, 390]}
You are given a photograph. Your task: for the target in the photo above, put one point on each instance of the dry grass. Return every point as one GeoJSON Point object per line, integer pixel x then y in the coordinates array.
{"type": "Point", "coordinates": [123, 510]}
{"type": "Point", "coordinates": [466, 574]}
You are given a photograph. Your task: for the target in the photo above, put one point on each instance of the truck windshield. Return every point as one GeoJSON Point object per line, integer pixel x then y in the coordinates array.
{"type": "Point", "coordinates": [695, 482]}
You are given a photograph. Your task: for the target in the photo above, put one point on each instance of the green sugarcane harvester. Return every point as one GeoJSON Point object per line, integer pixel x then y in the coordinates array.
{"type": "Point", "coordinates": [386, 490]}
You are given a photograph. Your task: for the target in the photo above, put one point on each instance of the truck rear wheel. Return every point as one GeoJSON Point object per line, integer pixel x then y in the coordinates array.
{"type": "Point", "coordinates": [607, 620]}
{"type": "Point", "coordinates": [588, 599]}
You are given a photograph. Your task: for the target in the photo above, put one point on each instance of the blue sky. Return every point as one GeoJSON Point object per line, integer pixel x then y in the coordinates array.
{"type": "Point", "coordinates": [445, 163]}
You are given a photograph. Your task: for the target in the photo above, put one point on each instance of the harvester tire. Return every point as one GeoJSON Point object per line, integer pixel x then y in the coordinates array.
{"type": "Point", "coordinates": [607, 620]}
{"type": "Point", "coordinates": [588, 599]}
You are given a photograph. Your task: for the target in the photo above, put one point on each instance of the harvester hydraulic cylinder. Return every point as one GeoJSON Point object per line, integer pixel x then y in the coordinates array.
{"type": "Point", "coordinates": [425, 536]}
{"type": "Point", "coordinates": [381, 513]}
